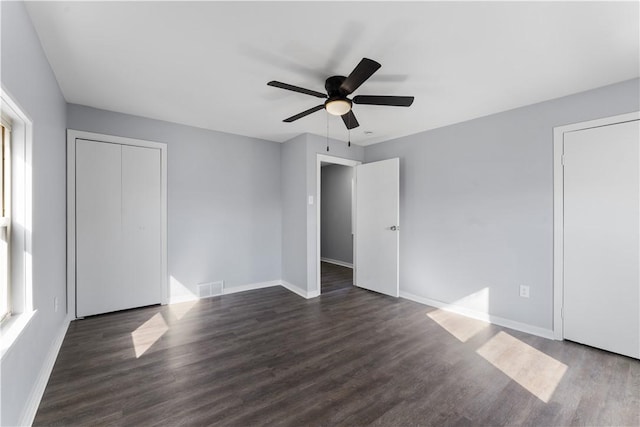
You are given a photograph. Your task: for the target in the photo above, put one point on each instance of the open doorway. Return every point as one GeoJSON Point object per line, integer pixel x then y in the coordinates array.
{"type": "Point", "coordinates": [336, 226]}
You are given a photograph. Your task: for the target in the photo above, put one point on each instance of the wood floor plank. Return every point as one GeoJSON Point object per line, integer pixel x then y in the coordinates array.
{"type": "Point", "coordinates": [349, 357]}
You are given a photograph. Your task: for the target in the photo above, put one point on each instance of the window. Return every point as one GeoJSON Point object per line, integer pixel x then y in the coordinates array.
{"type": "Point", "coordinates": [5, 220]}
{"type": "Point", "coordinates": [16, 292]}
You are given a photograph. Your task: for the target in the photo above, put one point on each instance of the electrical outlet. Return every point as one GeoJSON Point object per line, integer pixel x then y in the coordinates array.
{"type": "Point", "coordinates": [524, 291]}
{"type": "Point", "coordinates": [55, 304]}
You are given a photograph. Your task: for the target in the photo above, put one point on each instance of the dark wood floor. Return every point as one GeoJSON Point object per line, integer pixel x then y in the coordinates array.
{"type": "Point", "coordinates": [335, 277]}
{"type": "Point", "coordinates": [349, 357]}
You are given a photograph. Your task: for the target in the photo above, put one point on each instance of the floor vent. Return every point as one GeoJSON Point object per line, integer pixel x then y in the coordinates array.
{"type": "Point", "coordinates": [208, 290]}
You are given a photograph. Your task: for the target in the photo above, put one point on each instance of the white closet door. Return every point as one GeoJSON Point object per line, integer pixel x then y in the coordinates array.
{"type": "Point", "coordinates": [118, 227]}
{"type": "Point", "coordinates": [602, 237]}
{"type": "Point", "coordinates": [98, 228]}
{"type": "Point", "coordinates": [141, 251]}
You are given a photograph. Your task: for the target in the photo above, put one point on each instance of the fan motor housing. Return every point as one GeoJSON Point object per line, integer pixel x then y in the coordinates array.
{"type": "Point", "coordinates": [332, 85]}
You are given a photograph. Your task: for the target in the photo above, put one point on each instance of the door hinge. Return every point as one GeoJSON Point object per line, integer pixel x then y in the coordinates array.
{"type": "Point", "coordinates": [562, 160]}
{"type": "Point", "coordinates": [562, 312]}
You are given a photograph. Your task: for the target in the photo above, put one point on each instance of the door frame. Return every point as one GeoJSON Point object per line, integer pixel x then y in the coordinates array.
{"type": "Point", "coordinates": [72, 135]}
{"type": "Point", "coordinates": [558, 208]}
{"type": "Point", "coordinates": [324, 158]}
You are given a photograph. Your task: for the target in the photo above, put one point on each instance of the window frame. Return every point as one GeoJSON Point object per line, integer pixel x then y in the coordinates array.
{"type": "Point", "coordinates": [20, 257]}
{"type": "Point", "coordinates": [5, 217]}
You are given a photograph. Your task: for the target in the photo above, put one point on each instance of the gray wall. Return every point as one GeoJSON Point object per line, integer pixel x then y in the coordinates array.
{"type": "Point", "coordinates": [294, 214]}
{"type": "Point", "coordinates": [336, 239]}
{"type": "Point", "coordinates": [224, 204]}
{"type": "Point", "coordinates": [318, 145]}
{"type": "Point", "coordinates": [29, 80]}
{"type": "Point", "coordinates": [476, 203]}
{"type": "Point", "coordinates": [299, 238]}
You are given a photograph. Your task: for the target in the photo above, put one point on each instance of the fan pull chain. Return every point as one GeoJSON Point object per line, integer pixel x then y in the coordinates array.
{"type": "Point", "coordinates": [349, 130]}
{"type": "Point", "coordinates": [327, 132]}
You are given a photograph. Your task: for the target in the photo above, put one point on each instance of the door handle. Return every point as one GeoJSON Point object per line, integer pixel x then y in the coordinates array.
{"type": "Point", "coordinates": [394, 228]}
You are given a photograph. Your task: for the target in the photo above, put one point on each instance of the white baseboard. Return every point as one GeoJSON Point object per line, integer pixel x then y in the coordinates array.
{"type": "Point", "coordinates": [250, 287]}
{"type": "Point", "coordinates": [298, 290]}
{"type": "Point", "coordinates": [226, 291]}
{"type": "Point", "coordinates": [336, 262]}
{"type": "Point", "coordinates": [293, 288]}
{"type": "Point", "coordinates": [182, 298]}
{"type": "Point", "coordinates": [33, 402]}
{"type": "Point", "coordinates": [486, 317]}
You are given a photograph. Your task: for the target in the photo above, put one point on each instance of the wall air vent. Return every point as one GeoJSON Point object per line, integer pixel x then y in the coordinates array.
{"type": "Point", "coordinates": [212, 289]}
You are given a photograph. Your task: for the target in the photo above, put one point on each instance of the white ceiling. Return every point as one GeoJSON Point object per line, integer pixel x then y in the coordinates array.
{"type": "Point", "coordinates": [206, 64]}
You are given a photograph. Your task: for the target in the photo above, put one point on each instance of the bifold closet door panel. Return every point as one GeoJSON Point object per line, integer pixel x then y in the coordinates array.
{"type": "Point", "coordinates": [98, 228]}
{"type": "Point", "coordinates": [141, 222]}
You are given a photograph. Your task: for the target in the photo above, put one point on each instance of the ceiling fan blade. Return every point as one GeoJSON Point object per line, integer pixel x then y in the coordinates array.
{"type": "Point", "coordinates": [304, 113]}
{"type": "Point", "coordinates": [394, 101]}
{"type": "Point", "coordinates": [296, 89]}
{"type": "Point", "coordinates": [350, 120]}
{"type": "Point", "coordinates": [359, 75]}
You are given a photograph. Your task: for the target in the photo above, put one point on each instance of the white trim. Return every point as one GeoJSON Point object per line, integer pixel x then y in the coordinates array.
{"type": "Point", "coordinates": [72, 135]}
{"type": "Point", "coordinates": [337, 160]}
{"type": "Point", "coordinates": [71, 228]}
{"type": "Point", "coordinates": [313, 294]}
{"type": "Point", "coordinates": [298, 290]}
{"type": "Point", "coordinates": [336, 262]}
{"type": "Point", "coordinates": [11, 330]}
{"type": "Point", "coordinates": [485, 317]}
{"type": "Point", "coordinates": [5, 120]}
{"type": "Point", "coordinates": [558, 208]}
{"type": "Point", "coordinates": [33, 401]}
{"type": "Point", "coordinates": [320, 158]}
{"type": "Point", "coordinates": [250, 287]}
{"type": "Point", "coordinates": [184, 298]}
{"type": "Point", "coordinates": [226, 291]}
{"type": "Point", "coordinates": [21, 293]}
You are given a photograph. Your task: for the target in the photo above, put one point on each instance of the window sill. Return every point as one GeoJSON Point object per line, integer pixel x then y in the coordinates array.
{"type": "Point", "coordinates": [11, 329]}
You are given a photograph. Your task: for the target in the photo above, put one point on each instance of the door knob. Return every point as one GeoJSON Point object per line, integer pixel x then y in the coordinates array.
{"type": "Point", "coordinates": [394, 228]}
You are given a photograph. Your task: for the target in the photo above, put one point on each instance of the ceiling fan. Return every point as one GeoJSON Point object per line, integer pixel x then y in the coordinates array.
{"type": "Point", "coordinates": [339, 87]}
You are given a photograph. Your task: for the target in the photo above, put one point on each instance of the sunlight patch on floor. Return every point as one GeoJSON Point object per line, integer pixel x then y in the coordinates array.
{"type": "Point", "coordinates": [537, 372]}
{"type": "Point", "coordinates": [461, 327]}
{"type": "Point", "coordinates": [148, 333]}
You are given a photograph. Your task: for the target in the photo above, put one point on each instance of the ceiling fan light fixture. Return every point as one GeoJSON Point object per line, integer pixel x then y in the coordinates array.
{"type": "Point", "coordinates": [338, 106]}
{"type": "Point", "coordinates": [338, 88]}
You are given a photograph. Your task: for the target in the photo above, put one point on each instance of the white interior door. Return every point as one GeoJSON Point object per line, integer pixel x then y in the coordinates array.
{"type": "Point", "coordinates": [141, 250]}
{"type": "Point", "coordinates": [601, 301]}
{"type": "Point", "coordinates": [377, 226]}
{"type": "Point", "coordinates": [98, 227]}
